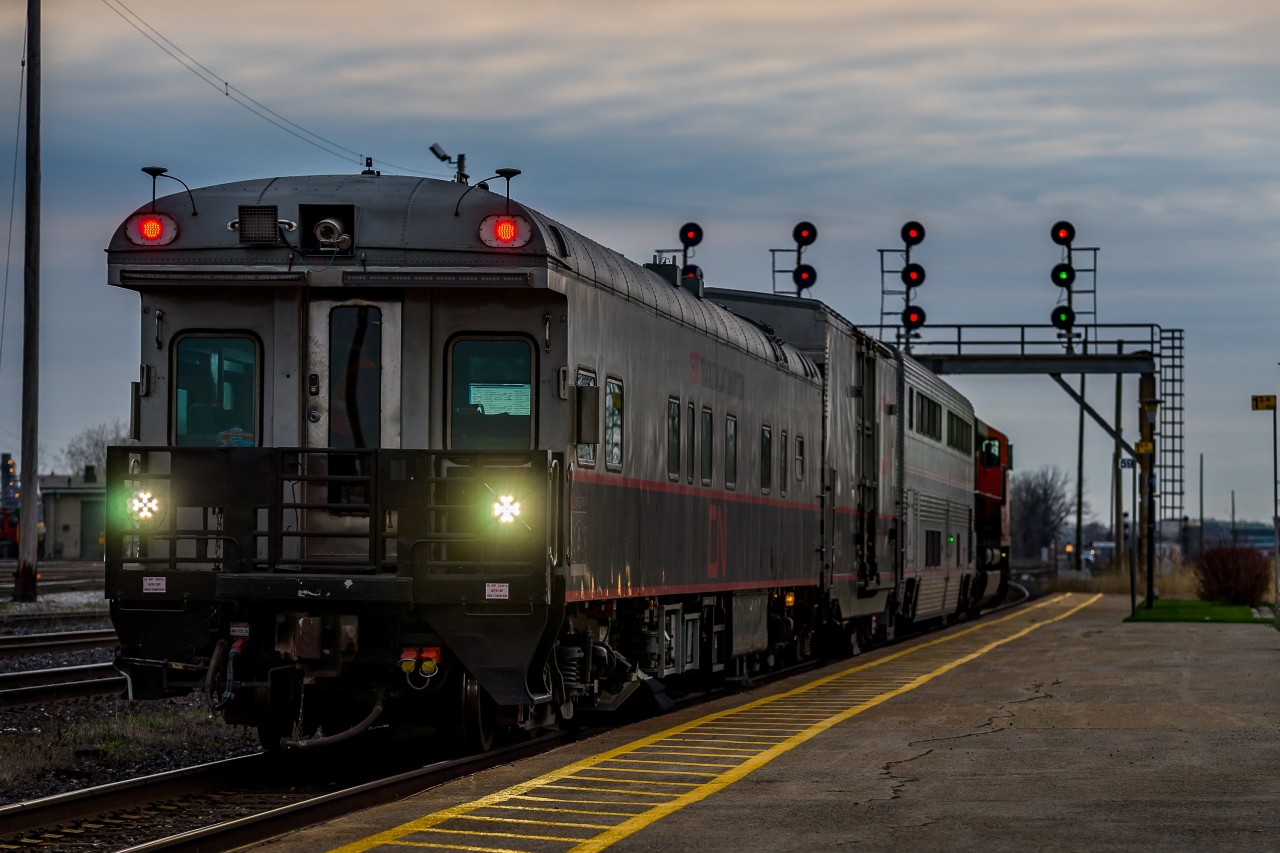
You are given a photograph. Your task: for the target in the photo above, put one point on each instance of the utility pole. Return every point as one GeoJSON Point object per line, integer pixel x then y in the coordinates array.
{"type": "Point", "coordinates": [24, 588]}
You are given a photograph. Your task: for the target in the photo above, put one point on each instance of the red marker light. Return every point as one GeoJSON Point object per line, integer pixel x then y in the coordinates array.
{"type": "Point", "coordinates": [151, 229]}
{"type": "Point", "coordinates": [505, 230]}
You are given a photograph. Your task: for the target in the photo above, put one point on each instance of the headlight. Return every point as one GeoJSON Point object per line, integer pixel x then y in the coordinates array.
{"type": "Point", "coordinates": [144, 506]}
{"type": "Point", "coordinates": [506, 509]}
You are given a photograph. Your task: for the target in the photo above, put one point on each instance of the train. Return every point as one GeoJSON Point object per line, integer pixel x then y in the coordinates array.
{"type": "Point", "coordinates": [406, 451]}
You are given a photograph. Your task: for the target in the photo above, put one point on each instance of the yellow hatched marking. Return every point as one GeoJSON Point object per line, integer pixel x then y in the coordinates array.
{"type": "Point", "coordinates": [538, 799]}
{"type": "Point", "coordinates": [483, 834]}
{"type": "Point", "coordinates": [672, 763]}
{"type": "Point", "coordinates": [753, 762]}
{"type": "Point", "coordinates": [577, 778]}
{"type": "Point", "coordinates": [664, 772]}
{"type": "Point", "coordinates": [558, 810]}
{"type": "Point", "coordinates": [442, 846]}
{"type": "Point", "coordinates": [522, 820]}
{"type": "Point", "coordinates": [631, 791]}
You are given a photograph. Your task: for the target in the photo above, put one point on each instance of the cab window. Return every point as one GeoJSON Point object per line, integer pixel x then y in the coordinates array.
{"type": "Point", "coordinates": [491, 394]}
{"type": "Point", "coordinates": [216, 391]}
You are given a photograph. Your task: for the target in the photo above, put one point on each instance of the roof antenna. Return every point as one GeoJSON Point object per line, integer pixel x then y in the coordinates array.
{"type": "Point", "coordinates": [502, 173]}
{"type": "Point", "coordinates": [160, 172]}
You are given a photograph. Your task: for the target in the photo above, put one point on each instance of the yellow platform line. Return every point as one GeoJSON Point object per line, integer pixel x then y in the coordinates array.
{"type": "Point", "coordinates": [657, 811]}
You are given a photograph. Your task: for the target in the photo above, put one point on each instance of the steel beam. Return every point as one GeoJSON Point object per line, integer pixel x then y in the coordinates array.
{"type": "Point", "coordinates": [1051, 364]}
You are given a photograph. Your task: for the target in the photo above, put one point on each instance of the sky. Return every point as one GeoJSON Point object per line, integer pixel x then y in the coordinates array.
{"type": "Point", "coordinates": [1153, 126]}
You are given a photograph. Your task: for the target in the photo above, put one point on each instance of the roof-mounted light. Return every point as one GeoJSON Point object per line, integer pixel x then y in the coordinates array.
{"type": "Point", "coordinates": [151, 229]}
{"type": "Point", "coordinates": [505, 231]}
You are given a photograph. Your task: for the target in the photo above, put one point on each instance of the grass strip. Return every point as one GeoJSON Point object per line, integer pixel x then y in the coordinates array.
{"type": "Point", "coordinates": [1192, 610]}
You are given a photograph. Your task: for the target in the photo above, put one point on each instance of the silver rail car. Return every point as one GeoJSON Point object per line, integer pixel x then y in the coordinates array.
{"type": "Point", "coordinates": [408, 450]}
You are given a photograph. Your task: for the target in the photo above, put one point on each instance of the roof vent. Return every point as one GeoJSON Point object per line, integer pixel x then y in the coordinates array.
{"type": "Point", "coordinates": [259, 223]}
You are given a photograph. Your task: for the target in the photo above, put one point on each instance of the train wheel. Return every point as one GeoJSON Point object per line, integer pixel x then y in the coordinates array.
{"type": "Point", "coordinates": [478, 716]}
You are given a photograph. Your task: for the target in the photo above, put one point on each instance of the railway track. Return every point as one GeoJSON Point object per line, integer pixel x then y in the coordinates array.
{"type": "Point", "coordinates": [67, 682]}
{"type": "Point", "coordinates": [53, 618]}
{"type": "Point", "coordinates": [238, 801]}
{"type": "Point", "coordinates": [25, 645]}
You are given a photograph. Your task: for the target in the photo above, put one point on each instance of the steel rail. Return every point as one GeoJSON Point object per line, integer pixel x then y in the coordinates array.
{"type": "Point", "coordinates": [20, 645]}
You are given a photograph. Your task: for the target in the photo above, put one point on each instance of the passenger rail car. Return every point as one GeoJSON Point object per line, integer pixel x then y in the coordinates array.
{"type": "Point", "coordinates": [407, 449]}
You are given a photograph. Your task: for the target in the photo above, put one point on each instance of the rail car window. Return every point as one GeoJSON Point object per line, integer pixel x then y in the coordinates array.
{"type": "Point", "coordinates": [730, 452]}
{"type": "Point", "coordinates": [216, 391]}
{"type": "Point", "coordinates": [933, 548]}
{"type": "Point", "coordinates": [691, 432]}
{"type": "Point", "coordinates": [766, 458]}
{"type": "Point", "coordinates": [673, 439]}
{"type": "Point", "coordinates": [959, 433]}
{"type": "Point", "coordinates": [587, 452]}
{"type": "Point", "coordinates": [613, 422]}
{"type": "Point", "coordinates": [928, 417]}
{"type": "Point", "coordinates": [799, 458]}
{"type": "Point", "coordinates": [708, 427]}
{"type": "Point", "coordinates": [355, 376]}
{"type": "Point", "coordinates": [782, 463]}
{"type": "Point", "coordinates": [491, 397]}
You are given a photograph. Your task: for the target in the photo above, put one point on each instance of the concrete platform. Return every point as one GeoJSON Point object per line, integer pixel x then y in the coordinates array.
{"type": "Point", "coordinates": [1075, 731]}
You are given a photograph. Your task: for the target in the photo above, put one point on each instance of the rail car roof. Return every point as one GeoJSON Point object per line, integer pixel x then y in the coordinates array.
{"type": "Point", "coordinates": [404, 224]}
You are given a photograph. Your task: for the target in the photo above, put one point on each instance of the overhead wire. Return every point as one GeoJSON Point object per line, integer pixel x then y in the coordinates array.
{"type": "Point", "coordinates": [236, 94]}
{"type": "Point", "coordinates": [13, 196]}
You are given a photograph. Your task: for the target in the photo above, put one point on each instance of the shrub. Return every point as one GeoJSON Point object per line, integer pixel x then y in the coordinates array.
{"type": "Point", "coordinates": [1233, 575]}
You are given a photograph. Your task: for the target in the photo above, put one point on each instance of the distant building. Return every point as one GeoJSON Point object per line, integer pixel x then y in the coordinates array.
{"type": "Point", "coordinates": [74, 515]}
{"type": "Point", "coordinates": [1218, 533]}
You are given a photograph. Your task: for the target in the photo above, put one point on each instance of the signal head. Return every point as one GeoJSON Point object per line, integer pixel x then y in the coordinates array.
{"type": "Point", "coordinates": [804, 233]}
{"type": "Point", "coordinates": [1063, 233]}
{"type": "Point", "coordinates": [1063, 275]}
{"type": "Point", "coordinates": [1063, 318]}
{"type": "Point", "coordinates": [690, 234]}
{"type": "Point", "coordinates": [804, 276]}
{"type": "Point", "coordinates": [913, 275]}
{"type": "Point", "coordinates": [913, 233]}
{"type": "Point", "coordinates": [913, 318]}
{"type": "Point", "coordinates": [691, 272]}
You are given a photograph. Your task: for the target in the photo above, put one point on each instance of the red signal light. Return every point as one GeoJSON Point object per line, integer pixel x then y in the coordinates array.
{"type": "Point", "coordinates": [912, 275]}
{"type": "Point", "coordinates": [804, 233]}
{"type": "Point", "coordinates": [151, 229]}
{"type": "Point", "coordinates": [913, 318]}
{"type": "Point", "coordinates": [804, 276]}
{"type": "Point", "coordinates": [912, 233]}
{"type": "Point", "coordinates": [1063, 233]}
{"type": "Point", "coordinates": [690, 234]}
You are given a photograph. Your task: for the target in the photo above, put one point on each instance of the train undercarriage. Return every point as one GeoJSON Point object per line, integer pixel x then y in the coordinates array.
{"type": "Point", "coordinates": [246, 576]}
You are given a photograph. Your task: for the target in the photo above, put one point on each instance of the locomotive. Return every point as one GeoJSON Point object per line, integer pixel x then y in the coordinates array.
{"type": "Point", "coordinates": [407, 450]}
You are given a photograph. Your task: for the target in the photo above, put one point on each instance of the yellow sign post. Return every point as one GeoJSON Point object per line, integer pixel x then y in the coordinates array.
{"type": "Point", "coordinates": [1264, 402]}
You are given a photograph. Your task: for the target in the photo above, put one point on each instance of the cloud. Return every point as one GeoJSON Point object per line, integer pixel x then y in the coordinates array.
{"type": "Point", "coordinates": [1154, 126]}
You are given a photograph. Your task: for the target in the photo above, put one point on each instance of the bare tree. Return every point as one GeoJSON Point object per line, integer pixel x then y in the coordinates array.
{"type": "Point", "coordinates": [1043, 501]}
{"type": "Point", "coordinates": [89, 447]}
